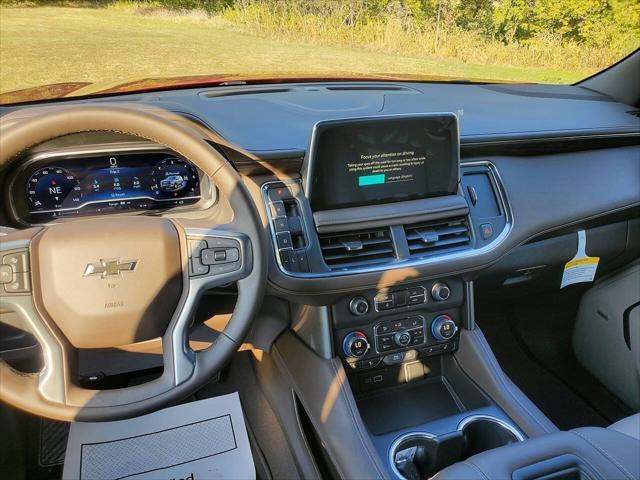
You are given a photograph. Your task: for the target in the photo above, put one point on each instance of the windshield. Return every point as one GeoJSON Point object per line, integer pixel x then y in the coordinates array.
{"type": "Point", "coordinates": [58, 49]}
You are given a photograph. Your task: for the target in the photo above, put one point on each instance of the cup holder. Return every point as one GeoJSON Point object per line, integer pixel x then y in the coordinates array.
{"type": "Point", "coordinates": [418, 455]}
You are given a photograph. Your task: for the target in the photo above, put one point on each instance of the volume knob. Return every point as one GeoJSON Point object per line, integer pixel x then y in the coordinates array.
{"type": "Point", "coordinates": [359, 306]}
{"type": "Point", "coordinates": [440, 292]}
{"type": "Point", "coordinates": [355, 344]}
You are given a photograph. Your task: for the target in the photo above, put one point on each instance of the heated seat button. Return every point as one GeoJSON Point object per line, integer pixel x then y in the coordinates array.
{"type": "Point", "coordinates": [414, 322]}
{"type": "Point", "coordinates": [417, 337]}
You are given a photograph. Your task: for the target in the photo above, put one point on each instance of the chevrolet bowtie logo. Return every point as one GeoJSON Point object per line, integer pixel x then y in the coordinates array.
{"type": "Point", "coordinates": [109, 268]}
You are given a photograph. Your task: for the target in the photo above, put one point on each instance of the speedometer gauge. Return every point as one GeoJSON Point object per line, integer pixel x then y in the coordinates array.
{"type": "Point", "coordinates": [173, 178]}
{"type": "Point", "coordinates": [53, 188]}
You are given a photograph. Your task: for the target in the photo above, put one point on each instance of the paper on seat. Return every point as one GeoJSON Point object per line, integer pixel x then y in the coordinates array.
{"type": "Point", "coordinates": [200, 440]}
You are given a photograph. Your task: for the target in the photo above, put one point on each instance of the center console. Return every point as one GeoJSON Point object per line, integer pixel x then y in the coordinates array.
{"type": "Point", "coordinates": [382, 336]}
{"type": "Point", "coordinates": [380, 201]}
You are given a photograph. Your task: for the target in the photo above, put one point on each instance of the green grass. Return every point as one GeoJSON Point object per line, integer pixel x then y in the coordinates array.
{"type": "Point", "coordinates": [53, 44]}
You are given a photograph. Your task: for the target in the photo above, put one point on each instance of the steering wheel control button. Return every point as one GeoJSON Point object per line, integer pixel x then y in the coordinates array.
{"type": "Point", "coordinates": [6, 274]}
{"type": "Point", "coordinates": [443, 328]}
{"type": "Point", "coordinates": [440, 292]}
{"type": "Point", "coordinates": [224, 268]}
{"type": "Point", "coordinates": [196, 246]}
{"type": "Point", "coordinates": [19, 284]}
{"type": "Point", "coordinates": [359, 306]}
{"type": "Point", "coordinates": [196, 268]}
{"type": "Point", "coordinates": [216, 256]}
{"type": "Point", "coordinates": [18, 261]}
{"type": "Point", "coordinates": [355, 344]}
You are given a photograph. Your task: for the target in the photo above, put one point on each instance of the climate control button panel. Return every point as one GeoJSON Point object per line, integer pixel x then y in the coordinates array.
{"type": "Point", "coordinates": [401, 333]}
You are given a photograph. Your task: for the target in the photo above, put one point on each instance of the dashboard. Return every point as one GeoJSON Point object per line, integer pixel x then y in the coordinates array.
{"type": "Point", "coordinates": [540, 159]}
{"type": "Point", "coordinates": [64, 183]}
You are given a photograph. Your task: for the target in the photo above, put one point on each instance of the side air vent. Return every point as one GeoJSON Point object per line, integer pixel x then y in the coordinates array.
{"type": "Point", "coordinates": [437, 237]}
{"type": "Point", "coordinates": [356, 249]}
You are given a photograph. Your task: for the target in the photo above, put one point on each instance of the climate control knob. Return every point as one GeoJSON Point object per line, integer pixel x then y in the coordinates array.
{"type": "Point", "coordinates": [402, 338]}
{"type": "Point", "coordinates": [359, 306]}
{"type": "Point", "coordinates": [440, 292]}
{"type": "Point", "coordinates": [355, 344]}
{"type": "Point", "coordinates": [443, 328]}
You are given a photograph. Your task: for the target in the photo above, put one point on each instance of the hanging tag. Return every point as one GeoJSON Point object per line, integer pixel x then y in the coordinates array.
{"type": "Point", "coordinates": [580, 268]}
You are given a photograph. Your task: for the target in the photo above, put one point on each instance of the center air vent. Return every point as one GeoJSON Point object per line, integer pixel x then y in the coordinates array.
{"type": "Point", "coordinates": [437, 237]}
{"type": "Point", "coordinates": [356, 249]}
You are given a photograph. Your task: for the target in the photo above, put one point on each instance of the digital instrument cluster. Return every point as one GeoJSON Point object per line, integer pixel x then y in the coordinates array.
{"type": "Point", "coordinates": [104, 183]}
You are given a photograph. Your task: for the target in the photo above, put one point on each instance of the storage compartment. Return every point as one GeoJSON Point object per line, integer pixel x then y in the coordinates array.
{"type": "Point", "coordinates": [446, 391]}
{"type": "Point", "coordinates": [419, 455]}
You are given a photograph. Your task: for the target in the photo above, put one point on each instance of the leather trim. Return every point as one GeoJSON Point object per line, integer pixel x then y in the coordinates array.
{"type": "Point", "coordinates": [605, 453]}
{"type": "Point", "coordinates": [339, 426]}
{"type": "Point", "coordinates": [487, 372]}
{"type": "Point", "coordinates": [628, 426]}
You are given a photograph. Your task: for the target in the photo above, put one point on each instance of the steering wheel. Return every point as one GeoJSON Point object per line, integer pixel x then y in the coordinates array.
{"type": "Point", "coordinates": [112, 281]}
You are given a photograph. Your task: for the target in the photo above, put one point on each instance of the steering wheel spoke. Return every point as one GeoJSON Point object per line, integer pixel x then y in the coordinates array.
{"type": "Point", "coordinates": [216, 257]}
{"type": "Point", "coordinates": [16, 298]}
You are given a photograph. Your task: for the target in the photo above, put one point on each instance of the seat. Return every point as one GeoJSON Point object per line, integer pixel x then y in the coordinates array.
{"type": "Point", "coordinates": [629, 426]}
{"type": "Point", "coordinates": [585, 453]}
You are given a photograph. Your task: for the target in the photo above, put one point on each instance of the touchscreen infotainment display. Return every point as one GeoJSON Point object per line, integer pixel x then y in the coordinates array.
{"type": "Point", "coordinates": [379, 160]}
